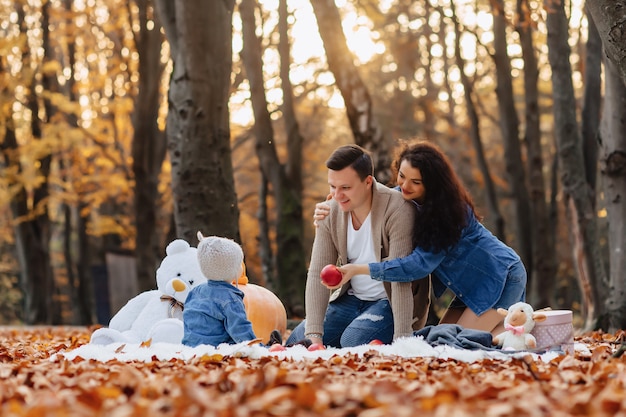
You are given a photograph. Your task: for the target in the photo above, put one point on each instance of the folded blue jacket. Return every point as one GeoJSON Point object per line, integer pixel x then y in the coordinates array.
{"type": "Point", "coordinates": [457, 336]}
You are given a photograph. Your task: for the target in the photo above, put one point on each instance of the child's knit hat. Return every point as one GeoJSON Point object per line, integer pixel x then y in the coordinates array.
{"type": "Point", "coordinates": [220, 258]}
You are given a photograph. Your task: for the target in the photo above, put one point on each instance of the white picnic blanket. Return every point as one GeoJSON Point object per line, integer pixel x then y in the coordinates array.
{"type": "Point", "coordinates": [408, 347]}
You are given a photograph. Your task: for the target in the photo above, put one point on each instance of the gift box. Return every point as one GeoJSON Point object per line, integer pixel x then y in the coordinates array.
{"type": "Point", "coordinates": [556, 332]}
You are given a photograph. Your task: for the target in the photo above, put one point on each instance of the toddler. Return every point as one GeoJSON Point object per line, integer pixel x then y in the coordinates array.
{"type": "Point", "coordinates": [214, 312]}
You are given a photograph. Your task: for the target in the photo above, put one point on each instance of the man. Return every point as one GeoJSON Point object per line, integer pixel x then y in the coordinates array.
{"type": "Point", "coordinates": [368, 222]}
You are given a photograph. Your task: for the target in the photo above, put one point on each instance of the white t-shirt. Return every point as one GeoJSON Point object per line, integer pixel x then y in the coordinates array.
{"type": "Point", "coordinates": [361, 251]}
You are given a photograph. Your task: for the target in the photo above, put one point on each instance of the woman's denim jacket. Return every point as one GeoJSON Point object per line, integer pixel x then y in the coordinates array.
{"type": "Point", "coordinates": [475, 269]}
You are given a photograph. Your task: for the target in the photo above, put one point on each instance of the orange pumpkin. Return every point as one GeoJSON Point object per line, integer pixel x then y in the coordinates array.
{"type": "Point", "coordinates": [264, 309]}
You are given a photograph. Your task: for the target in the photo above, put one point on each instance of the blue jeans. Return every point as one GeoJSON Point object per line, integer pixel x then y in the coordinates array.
{"type": "Point", "coordinates": [353, 322]}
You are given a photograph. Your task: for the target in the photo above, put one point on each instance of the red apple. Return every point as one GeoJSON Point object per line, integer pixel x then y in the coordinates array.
{"type": "Point", "coordinates": [376, 342]}
{"type": "Point", "coordinates": [330, 275]}
{"type": "Point", "coordinates": [316, 346]}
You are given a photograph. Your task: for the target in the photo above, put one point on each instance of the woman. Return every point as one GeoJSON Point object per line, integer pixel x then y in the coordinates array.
{"type": "Point", "coordinates": [450, 244]}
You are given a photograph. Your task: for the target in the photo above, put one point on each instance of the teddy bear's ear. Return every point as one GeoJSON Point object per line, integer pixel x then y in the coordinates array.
{"type": "Point", "coordinates": [176, 246]}
{"type": "Point", "coordinates": [503, 312]}
{"type": "Point", "coordinates": [200, 236]}
{"type": "Point", "coordinates": [539, 317]}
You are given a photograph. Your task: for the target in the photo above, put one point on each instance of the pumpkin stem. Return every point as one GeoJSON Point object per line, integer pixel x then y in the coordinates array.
{"type": "Point", "coordinates": [243, 278]}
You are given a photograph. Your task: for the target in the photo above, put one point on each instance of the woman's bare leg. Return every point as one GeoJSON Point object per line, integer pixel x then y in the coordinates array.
{"type": "Point", "coordinates": [490, 321]}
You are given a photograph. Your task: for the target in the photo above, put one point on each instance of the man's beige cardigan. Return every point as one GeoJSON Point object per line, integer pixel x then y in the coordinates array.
{"type": "Point", "coordinates": [392, 226]}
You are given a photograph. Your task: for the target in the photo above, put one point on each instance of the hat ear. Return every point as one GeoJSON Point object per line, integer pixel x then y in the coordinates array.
{"type": "Point", "coordinates": [200, 236]}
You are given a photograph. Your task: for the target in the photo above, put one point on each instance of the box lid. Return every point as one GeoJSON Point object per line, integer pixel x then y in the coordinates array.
{"type": "Point", "coordinates": [555, 317]}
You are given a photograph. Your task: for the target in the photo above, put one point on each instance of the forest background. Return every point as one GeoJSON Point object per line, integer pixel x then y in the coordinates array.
{"type": "Point", "coordinates": [127, 124]}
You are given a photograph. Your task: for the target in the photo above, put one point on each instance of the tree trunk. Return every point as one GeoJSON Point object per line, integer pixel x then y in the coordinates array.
{"type": "Point", "coordinates": [198, 130]}
{"type": "Point", "coordinates": [293, 166]}
{"type": "Point", "coordinates": [268, 265]}
{"type": "Point", "coordinates": [50, 84]}
{"type": "Point", "coordinates": [509, 126]}
{"type": "Point", "coordinates": [78, 267]}
{"type": "Point", "coordinates": [85, 290]}
{"type": "Point", "coordinates": [583, 224]}
{"type": "Point", "coordinates": [613, 171]}
{"type": "Point", "coordinates": [365, 128]}
{"type": "Point", "coordinates": [34, 230]}
{"type": "Point", "coordinates": [295, 267]}
{"type": "Point", "coordinates": [544, 266]}
{"type": "Point", "coordinates": [148, 148]}
{"type": "Point", "coordinates": [459, 136]}
{"type": "Point", "coordinates": [11, 163]}
{"type": "Point", "coordinates": [609, 17]}
{"type": "Point", "coordinates": [592, 97]}
{"type": "Point", "coordinates": [289, 229]}
{"type": "Point", "coordinates": [426, 102]}
{"type": "Point", "coordinates": [472, 115]}
{"type": "Point", "coordinates": [64, 161]}
{"type": "Point", "coordinates": [33, 240]}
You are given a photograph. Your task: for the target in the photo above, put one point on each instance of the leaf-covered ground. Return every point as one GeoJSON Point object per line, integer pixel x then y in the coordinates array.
{"type": "Point", "coordinates": [370, 385]}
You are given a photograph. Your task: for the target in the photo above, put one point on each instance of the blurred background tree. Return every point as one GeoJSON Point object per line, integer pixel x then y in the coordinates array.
{"type": "Point", "coordinates": [127, 124]}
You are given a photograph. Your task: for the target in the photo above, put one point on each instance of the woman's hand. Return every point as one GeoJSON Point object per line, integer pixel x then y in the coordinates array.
{"type": "Point", "coordinates": [321, 210]}
{"type": "Point", "coordinates": [348, 271]}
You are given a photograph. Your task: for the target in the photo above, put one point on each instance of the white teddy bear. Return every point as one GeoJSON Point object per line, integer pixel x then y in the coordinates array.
{"type": "Point", "coordinates": [157, 315]}
{"type": "Point", "coordinates": [519, 320]}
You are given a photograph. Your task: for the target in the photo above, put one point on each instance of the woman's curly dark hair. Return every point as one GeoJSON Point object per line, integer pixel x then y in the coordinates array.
{"type": "Point", "coordinates": [443, 213]}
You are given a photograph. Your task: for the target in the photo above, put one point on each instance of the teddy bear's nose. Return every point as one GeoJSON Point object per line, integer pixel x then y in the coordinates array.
{"type": "Point", "coordinates": [178, 285]}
